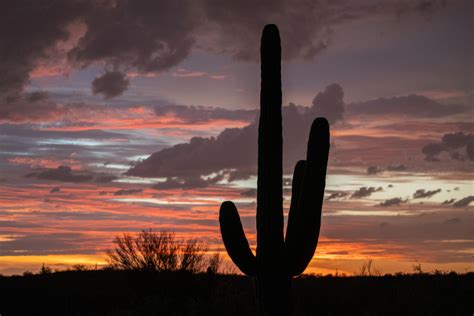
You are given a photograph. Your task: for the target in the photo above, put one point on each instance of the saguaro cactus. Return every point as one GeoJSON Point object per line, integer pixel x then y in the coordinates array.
{"type": "Point", "coordinates": [278, 258]}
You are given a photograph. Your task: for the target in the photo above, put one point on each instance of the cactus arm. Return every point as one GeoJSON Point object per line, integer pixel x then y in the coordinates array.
{"type": "Point", "coordinates": [305, 224]}
{"type": "Point", "coordinates": [297, 185]}
{"type": "Point", "coordinates": [293, 214]}
{"type": "Point", "coordinates": [234, 239]}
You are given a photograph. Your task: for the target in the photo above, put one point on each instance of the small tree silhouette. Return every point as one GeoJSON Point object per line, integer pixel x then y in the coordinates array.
{"type": "Point", "coordinates": [156, 252]}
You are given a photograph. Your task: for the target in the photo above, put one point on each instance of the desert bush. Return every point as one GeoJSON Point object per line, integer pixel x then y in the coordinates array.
{"type": "Point", "coordinates": [192, 256]}
{"type": "Point", "coordinates": [80, 267]}
{"type": "Point", "coordinates": [214, 264]}
{"type": "Point", "coordinates": [45, 269]}
{"type": "Point", "coordinates": [368, 269]}
{"type": "Point", "coordinates": [417, 268]}
{"type": "Point", "coordinates": [156, 252]}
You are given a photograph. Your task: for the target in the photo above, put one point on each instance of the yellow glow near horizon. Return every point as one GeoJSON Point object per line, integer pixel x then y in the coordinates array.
{"type": "Point", "coordinates": [19, 264]}
{"type": "Point", "coordinates": [321, 264]}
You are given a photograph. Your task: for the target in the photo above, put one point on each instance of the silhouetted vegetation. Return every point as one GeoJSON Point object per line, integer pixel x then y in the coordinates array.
{"type": "Point", "coordinates": [120, 292]}
{"type": "Point", "coordinates": [215, 263]}
{"type": "Point", "coordinates": [368, 269]}
{"type": "Point", "coordinates": [45, 269]}
{"type": "Point", "coordinates": [279, 257]}
{"type": "Point", "coordinates": [156, 252]}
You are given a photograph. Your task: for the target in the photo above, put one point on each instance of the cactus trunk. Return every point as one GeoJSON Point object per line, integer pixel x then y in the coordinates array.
{"type": "Point", "coordinates": [278, 259]}
{"type": "Point", "coordinates": [272, 281]}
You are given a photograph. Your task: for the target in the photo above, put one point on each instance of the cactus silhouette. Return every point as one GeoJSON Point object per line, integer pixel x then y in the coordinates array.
{"type": "Point", "coordinates": [278, 257]}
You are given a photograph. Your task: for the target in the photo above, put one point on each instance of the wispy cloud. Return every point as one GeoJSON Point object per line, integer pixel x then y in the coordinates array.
{"type": "Point", "coordinates": [186, 73]}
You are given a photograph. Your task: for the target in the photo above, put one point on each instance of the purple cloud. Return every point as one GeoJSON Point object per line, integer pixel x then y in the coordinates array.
{"type": "Point", "coordinates": [110, 84]}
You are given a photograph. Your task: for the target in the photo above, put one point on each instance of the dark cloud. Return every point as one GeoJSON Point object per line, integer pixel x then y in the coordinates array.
{"type": "Point", "coordinates": [63, 174]}
{"type": "Point", "coordinates": [423, 6]}
{"type": "Point", "coordinates": [365, 191]}
{"type": "Point", "coordinates": [329, 103]}
{"type": "Point", "coordinates": [447, 202]}
{"type": "Point", "coordinates": [153, 36]}
{"type": "Point", "coordinates": [144, 35]}
{"type": "Point", "coordinates": [66, 174]}
{"type": "Point", "coordinates": [110, 84]}
{"type": "Point", "coordinates": [29, 31]}
{"type": "Point", "coordinates": [241, 173]}
{"type": "Point", "coordinates": [128, 191]}
{"type": "Point", "coordinates": [307, 27]}
{"type": "Point", "coordinates": [105, 178]}
{"type": "Point", "coordinates": [336, 195]}
{"type": "Point", "coordinates": [147, 35]}
{"type": "Point", "coordinates": [431, 151]}
{"type": "Point", "coordinates": [426, 236]}
{"type": "Point", "coordinates": [234, 150]}
{"type": "Point", "coordinates": [192, 182]}
{"type": "Point", "coordinates": [372, 170]}
{"type": "Point", "coordinates": [450, 143]}
{"type": "Point", "coordinates": [55, 190]}
{"type": "Point", "coordinates": [36, 96]}
{"type": "Point", "coordinates": [392, 202]}
{"type": "Point", "coordinates": [397, 167]}
{"type": "Point", "coordinates": [194, 114]}
{"type": "Point", "coordinates": [422, 193]}
{"type": "Point", "coordinates": [407, 106]}
{"type": "Point", "coordinates": [456, 156]}
{"type": "Point", "coordinates": [464, 202]}
{"type": "Point", "coordinates": [456, 140]}
{"type": "Point", "coordinates": [22, 108]}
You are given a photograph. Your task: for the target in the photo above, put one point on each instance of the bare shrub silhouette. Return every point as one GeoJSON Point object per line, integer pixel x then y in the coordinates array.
{"type": "Point", "coordinates": [192, 256]}
{"type": "Point", "coordinates": [368, 269]}
{"type": "Point", "coordinates": [214, 264]}
{"type": "Point", "coordinates": [45, 270]}
{"type": "Point", "coordinates": [80, 267]}
{"type": "Point", "coordinates": [156, 252]}
{"type": "Point", "coordinates": [417, 268]}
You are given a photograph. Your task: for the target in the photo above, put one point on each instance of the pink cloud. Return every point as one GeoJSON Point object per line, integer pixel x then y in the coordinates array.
{"type": "Point", "coordinates": [186, 73]}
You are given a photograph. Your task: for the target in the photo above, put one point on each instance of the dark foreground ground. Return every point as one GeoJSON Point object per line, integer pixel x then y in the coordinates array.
{"type": "Point", "coordinates": [127, 293]}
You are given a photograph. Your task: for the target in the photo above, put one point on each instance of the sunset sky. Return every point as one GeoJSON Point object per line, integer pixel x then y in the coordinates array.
{"type": "Point", "coordinates": [118, 116]}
